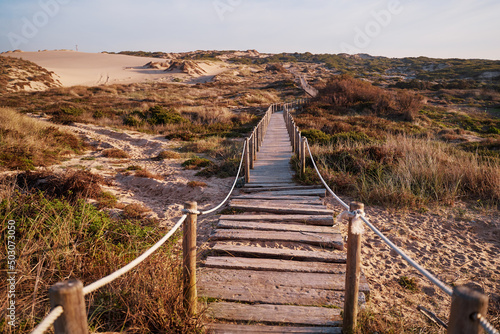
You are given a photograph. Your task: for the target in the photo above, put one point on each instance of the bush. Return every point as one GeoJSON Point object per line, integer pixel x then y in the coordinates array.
{"type": "Point", "coordinates": [315, 136]}
{"type": "Point", "coordinates": [115, 153]}
{"type": "Point", "coordinates": [196, 163]}
{"type": "Point", "coordinates": [159, 116]}
{"type": "Point", "coordinates": [167, 155]}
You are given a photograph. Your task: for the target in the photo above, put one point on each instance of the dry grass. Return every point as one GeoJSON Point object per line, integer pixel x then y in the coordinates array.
{"type": "Point", "coordinates": [115, 153]}
{"type": "Point", "coordinates": [167, 155]}
{"type": "Point", "coordinates": [408, 172]}
{"type": "Point", "coordinates": [57, 240]}
{"type": "Point", "coordinates": [194, 184]}
{"type": "Point", "coordinates": [26, 143]}
{"type": "Point", "coordinates": [147, 174]}
{"type": "Point", "coordinates": [134, 211]}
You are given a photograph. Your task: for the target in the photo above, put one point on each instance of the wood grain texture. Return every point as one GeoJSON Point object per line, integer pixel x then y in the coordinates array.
{"type": "Point", "coordinates": [222, 328]}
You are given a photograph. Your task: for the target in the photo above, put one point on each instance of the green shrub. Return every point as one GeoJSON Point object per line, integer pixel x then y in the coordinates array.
{"type": "Point", "coordinates": [315, 136]}
{"type": "Point", "coordinates": [196, 163]}
{"type": "Point", "coordinates": [160, 116]}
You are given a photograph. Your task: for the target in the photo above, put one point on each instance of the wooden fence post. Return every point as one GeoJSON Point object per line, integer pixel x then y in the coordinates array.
{"type": "Point", "coordinates": [352, 273]}
{"type": "Point", "coordinates": [69, 295]}
{"type": "Point", "coordinates": [303, 156]}
{"type": "Point", "coordinates": [252, 152]}
{"type": "Point", "coordinates": [247, 160]}
{"type": "Point", "coordinates": [189, 258]}
{"type": "Point", "coordinates": [465, 302]}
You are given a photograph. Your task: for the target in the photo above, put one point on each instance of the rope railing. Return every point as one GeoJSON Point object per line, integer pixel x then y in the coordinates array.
{"type": "Point", "coordinates": [51, 318]}
{"type": "Point", "coordinates": [463, 296]}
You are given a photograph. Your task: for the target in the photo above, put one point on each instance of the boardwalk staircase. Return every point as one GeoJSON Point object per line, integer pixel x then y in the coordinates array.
{"type": "Point", "coordinates": [278, 266]}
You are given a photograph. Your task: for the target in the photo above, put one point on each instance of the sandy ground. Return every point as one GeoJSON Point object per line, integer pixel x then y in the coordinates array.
{"type": "Point", "coordinates": [92, 69]}
{"type": "Point", "coordinates": [165, 195]}
{"type": "Point", "coordinates": [459, 246]}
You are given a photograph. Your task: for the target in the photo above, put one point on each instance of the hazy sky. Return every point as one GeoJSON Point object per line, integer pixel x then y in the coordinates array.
{"type": "Point", "coordinates": [393, 28]}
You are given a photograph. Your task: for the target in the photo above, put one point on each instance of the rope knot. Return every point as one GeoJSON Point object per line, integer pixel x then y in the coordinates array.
{"type": "Point", "coordinates": [191, 211]}
{"type": "Point", "coordinates": [357, 226]}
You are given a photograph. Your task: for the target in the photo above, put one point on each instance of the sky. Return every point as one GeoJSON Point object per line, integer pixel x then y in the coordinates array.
{"type": "Point", "coordinates": [391, 28]}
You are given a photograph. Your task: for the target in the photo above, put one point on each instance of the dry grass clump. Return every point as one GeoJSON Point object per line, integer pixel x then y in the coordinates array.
{"type": "Point", "coordinates": [344, 93]}
{"type": "Point", "coordinates": [115, 153]}
{"type": "Point", "coordinates": [196, 163]}
{"type": "Point", "coordinates": [57, 240]}
{"type": "Point", "coordinates": [147, 174]}
{"type": "Point", "coordinates": [167, 155]}
{"type": "Point", "coordinates": [26, 142]}
{"type": "Point", "coordinates": [134, 211]}
{"type": "Point", "coordinates": [408, 172]}
{"type": "Point", "coordinates": [71, 185]}
{"type": "Point", "coordinates": [194, 184]}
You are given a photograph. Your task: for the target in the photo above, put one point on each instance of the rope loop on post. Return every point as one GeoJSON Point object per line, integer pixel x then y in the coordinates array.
{"type": "Point", "coordinates": [191, 211]}
{"type": "Point", "coordinates": [357, 221]}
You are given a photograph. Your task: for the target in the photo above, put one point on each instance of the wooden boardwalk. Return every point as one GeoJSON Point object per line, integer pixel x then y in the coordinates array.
{"type": "Point", "coordinates": [279, 267]}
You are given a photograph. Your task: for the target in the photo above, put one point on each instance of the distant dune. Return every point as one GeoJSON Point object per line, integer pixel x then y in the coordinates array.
{"type": "Point", "coordinates": [91, 69]}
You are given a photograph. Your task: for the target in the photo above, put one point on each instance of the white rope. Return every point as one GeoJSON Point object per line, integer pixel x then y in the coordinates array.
{"type": "Point", "coordinates": [105, 280]}
{"type": "Point", "coordinates": [191, 211]}
{"type": "Point", "coordinates": [48, 320]}
{"type": "Point", "coordinates": [322, 180]}
{"type": "Point", "coordinates": [485, 324]}
{"type": "Point", "coordinates": [232, 188]}
{"type": "Point", "coordinates": [357, 226]}
{"type": "Point", "coordinates": [423, 271]}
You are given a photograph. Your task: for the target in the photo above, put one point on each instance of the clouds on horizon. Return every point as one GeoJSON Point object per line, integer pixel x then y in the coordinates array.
{"type": "Point", "coordinates": [461, 28]}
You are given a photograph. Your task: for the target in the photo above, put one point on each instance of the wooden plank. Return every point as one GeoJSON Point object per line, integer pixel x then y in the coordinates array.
{"type": "Point", "coordinates": [280, 253]}
{"type": "Point", "coordinates": [251, 225]}
{"type": "Point", "coordinates": [259, 196]}
{"type": "Point", "coordinates": [331, 240]}
{"type": "Point", "coordinates": [220, 328]}
{"type": "Point", "coordinates": [276, 208]}
{"type": "Point", "coordinates": [256, 279]}
{"type": "Point", "coordinates": [287, 314]}
{"type": "Point", "coordinates": [249, 186]}
{"type": "Point", "coordinates": [304, 192]}
{"type": "Point", "coordinates": [324, 220]}
{"type": "Point", "coordinates": [228, 262]}
{"type": "Point", "coordinates": [280, 201]}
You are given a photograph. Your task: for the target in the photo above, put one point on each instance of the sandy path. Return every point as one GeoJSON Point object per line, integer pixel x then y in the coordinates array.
{"type": "Point", "coordinates": [165, 195]}
{"type": "Point", "coordinates": [459, 247]}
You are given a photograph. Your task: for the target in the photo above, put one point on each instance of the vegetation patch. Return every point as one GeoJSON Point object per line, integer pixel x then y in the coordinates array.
{"type": "Point", "coordinates": [409, 283]}
{"type": "Point", "coordinates": [196, 163]}
{"type": "Point", "coordinates": [115, 153]}
{"type": "Point", "coordinates": [163, 155]}
{"type": "Point", "coordinates": [196, 184]}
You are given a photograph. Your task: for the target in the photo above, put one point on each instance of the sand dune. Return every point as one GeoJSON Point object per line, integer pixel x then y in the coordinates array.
{"type": "Point", "coordinates": [91, 69]}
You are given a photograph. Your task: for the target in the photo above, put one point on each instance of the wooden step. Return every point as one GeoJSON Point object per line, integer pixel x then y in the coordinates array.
{"type": "Point", "coordinates": [280, 253]}
{"type": "Point", "coordinates": [228, 262]}
{"type": "Point", "coordinates": [286, 314]}
{"type": "Point", "coordinates": [251, 225]}
{"type": "Point", "coordinates": [220, 328]}
{"type": "Point", "coordinates": [279, 188]}
{"type": "Point", "coordinates": [296, 192]}
{"type": "Point", "coordinates": [330, 240]}
{"type": "Point", "coordinates": [298, 199]}
{"type": "Point", "coordinates": [323, 220]}
{"type": "Point", "coordinates": [255, 280]}
{"type": "Point", "coordinates": [281, 208]}
{"type": "Point", "coordinates": [289, 203]}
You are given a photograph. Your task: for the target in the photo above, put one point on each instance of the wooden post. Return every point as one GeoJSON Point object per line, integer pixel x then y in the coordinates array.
{"type": "Point", "coordinates": [303, 157]}
{"type": "Point", "coordinates": [465, 302]}
{"type": "Point", "coordinates": [254, 145]}
{"type": "Point", "coordinates": [252, 152]}
{"type": "Point", "coordinates": [257, 148]}
{"type": "Point", "coordinates": [352, 274]}
{"type": "Point", "coordinates": [189, 258]}
{"type": "Point", "coordinates": [247, 160]}
{"type": "Point", "coordinates": [69, 295]}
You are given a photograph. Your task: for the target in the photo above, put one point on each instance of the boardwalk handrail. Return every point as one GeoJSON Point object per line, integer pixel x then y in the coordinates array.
{"type": "Point", "coordinates": [476, 316]}
{"type": "Point", "coordinates": [58, 310]}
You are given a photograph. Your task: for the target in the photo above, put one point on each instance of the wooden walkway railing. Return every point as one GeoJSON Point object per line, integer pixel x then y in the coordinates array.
{"type": "Point", "coordinates": [276, 265]}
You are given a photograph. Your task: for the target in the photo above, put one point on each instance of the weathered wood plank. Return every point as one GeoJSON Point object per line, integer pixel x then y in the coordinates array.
{"type": "Point", "coordinates": [331, 240]}
{"type": "Point", "coordinates": [305, 192]}
{"type": "Point", "coordinates": [249, 187]}
{"type": "Point", "coordinates": [228, 262]}
{"type": "Point", "coordinates": [251, 225]}
{"type": "Point", "coordinates": [256, 279]}
{"type": "Point", "coordinates": [220, 328]}
{"type": "Point", "coordinates": [280, 253]}
{"type": "Point", "coordinates": [280, 201]}
{"type": "Point", "coordinates": [323, 220]}
{"type": "Point", "coordinates": [302, 199]}
{"type": "Point", "coordinates": [289, 314]}
{"type": "Point", "coordinates": [275, 208]}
